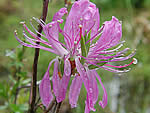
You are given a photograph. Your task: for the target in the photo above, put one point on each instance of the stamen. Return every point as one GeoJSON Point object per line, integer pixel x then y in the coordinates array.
{"type": "Point", "coordinates": [42, 21]}
{"type": "Point", "coordinates": [35, 29]}
{"type": "Point", "coordinates": [134, 61]}
{"type": "Point", "coordinates": [36, 19]}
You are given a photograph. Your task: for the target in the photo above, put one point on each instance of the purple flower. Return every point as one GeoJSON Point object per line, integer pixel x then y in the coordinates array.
{"type": "Point", "coordinates": [80, 56]}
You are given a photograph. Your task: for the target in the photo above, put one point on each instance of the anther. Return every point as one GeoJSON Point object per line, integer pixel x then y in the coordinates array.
{"type": "Point", "coordinates": [59, 21]}
{"type": "Point", "coordinates": [81, 19]}
{"type": "Point", "coordinates": [80, 26]}
{"type": "Point", "coordinates": [15, 31]}
{"type": "Point", "coordinates": [75, 42]}
{"type": "Point", "coordinates": [34, 18]}
{"type": "Point", "coordinates": [22, 22]}
{"type": "Point", "coordinates": [120, 22]}
{"type": "Point", "coordinates": [135, 61]}
{"type": "Point", "coordinates": [50, 25]}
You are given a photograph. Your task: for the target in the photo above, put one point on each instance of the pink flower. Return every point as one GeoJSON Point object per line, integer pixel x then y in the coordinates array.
{"type": "Point", "coordinates": [80, 56]}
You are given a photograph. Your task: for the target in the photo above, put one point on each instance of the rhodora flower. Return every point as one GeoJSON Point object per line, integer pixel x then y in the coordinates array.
{"type": "Point", "coordinates": [80, 56]}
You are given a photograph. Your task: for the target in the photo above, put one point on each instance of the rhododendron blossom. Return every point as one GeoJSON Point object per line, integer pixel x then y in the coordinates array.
{"type": "Point", "coordinates": [81, 55]}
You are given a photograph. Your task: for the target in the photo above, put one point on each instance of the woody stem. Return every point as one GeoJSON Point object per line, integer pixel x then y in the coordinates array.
{"type": "Point", "coordinates": [35, 63]}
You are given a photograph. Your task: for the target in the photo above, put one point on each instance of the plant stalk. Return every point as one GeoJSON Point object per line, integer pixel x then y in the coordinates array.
{"type": "Point", "coordinates": [35, 63]}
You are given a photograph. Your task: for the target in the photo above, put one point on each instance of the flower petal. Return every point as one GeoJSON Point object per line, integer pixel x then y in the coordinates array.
{"type": "Point", "coordinates": [90, 84]}
{"type": "Point", "coordinates": [111, 35]}
{"type": "Point", "coordinates": [60, 14]}
{"type": "Point", "coordinates": [82, 12]}
{"type": "Point", "coordinates": [67, 67]}
{"type": "Point", "coordinates": [45, 88]}
{"type": "Point", "coordinates": [59, 84]}
{"type": "Point", "coordinates": [102, 103]}
{"type": "Point", "coordinates": [87, 109]}
{"type": "Point", "coordinates": [75, 91]}
{"type": "Point", "coordinates": [63, 88]}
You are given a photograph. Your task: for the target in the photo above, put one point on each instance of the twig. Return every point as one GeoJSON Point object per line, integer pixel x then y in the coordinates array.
{"type": "Point", "coordinates": [66, 3]}
{"type": "Point", "coordinates": [50, 106]}
{"type": "Point", "coordinates": [36, 56]}
{"type": "Point", "coordinates": [58, 107]}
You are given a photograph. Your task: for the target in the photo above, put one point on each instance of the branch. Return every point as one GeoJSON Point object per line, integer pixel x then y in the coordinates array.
{"type": "Point", "coordinates": [36, 56]}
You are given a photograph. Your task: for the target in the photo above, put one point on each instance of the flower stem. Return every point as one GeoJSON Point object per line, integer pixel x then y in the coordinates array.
{"type": "Point", "coordinates": [36, 56]}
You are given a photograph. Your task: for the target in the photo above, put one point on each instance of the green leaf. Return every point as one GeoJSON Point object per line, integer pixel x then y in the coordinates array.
{"type": "Point", "coordinates": [4, 90]}
{"type": "Point", "coordinates": [83, 49]}
{"type": "Point", "coordinates": [13, 91]}
{"type": "Point", "coordinates": [21, 108]}
{"type": "Point", "coordinates": [26, 81]}
{"type": "Point", "coordinates": [88, 44]}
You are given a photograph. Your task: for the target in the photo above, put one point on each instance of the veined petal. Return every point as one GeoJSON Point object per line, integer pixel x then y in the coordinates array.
{"type": "Point", "coordinates": [63, 88]}
{"type": "Point", "coordinates": [92, 89]}
{"type": "Point", "coordinates": [75, 91]}
{"type": "Point", "coordinates": [111, 35]}
{"type": "Point", "coordinates": [82, 13]}
{"type": "Point", "coordinates": [45, 88]}
{"type": "Point", "coordinates": [87, 109]}
{"type": "Point", "coordinates": [67, 67]}
{"type": "Point", "coordinates": [60, 14]}
{"type": "Point", "coordinates": [90, 84]}
{"type": "Point", "coordinates": [79, 67]}
{"type": "Point", "coordinates": [56, 79]}
{"type": "Point", "coordinates": [59, 84]}
{"type": "Point", "coordinates": [102, 103]}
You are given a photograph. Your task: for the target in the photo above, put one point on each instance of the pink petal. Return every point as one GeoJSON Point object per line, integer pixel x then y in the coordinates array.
{"type": "Point", "coordinates": [92, 90]}
{"type": "Point", "coordinates": [45, 88]}
{"type": "Point", "coordinates": [56, 79]}
{"type": "Point", "coordinates": [87, 109]}
{"type": "Point", "coordinates": [67, 67]}
{"type": "Point", "coordinates": [59, 84]}
{"type": "Point", "coordinates": [63, 88]}
{"type": "Point", "coordinates": [60, 14]}
{"type": "Point", "coordinates": [111, 35]}
{"type": "Point", "coordinates": [102, 103]}
{"type": "Point", "coordinates": [75, 91]}
{"type": "Point", "coordinates": [82, 12]}
{"type": "Point", "coordinates": [90, 84]}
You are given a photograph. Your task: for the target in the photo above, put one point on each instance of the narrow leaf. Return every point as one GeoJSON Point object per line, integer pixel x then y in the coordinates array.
{"type": "Point", "coordinates": [83, 49]}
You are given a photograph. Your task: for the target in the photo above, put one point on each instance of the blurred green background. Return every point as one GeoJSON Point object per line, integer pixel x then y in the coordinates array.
{"type": "Point", "coordinates": [128, 93]}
